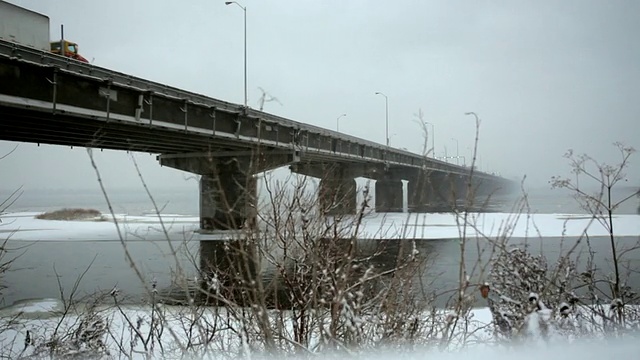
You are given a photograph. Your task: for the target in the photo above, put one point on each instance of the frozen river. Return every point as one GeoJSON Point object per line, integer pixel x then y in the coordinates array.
{"type": "Point", "coordinates": [54, 254]}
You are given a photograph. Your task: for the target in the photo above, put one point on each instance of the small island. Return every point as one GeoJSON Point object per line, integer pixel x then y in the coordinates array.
{"type": "Point", "coordinates": [72, 215]}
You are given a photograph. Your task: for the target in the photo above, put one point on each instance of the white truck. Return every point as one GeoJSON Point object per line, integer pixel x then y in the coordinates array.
{"type": "Point", "coordinates": [24, 26]}
{"type": "Point", "coordinates": [30, 28]}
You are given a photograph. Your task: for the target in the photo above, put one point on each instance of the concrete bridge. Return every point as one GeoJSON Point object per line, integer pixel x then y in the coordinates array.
{"type": "Point", "coordinates": [50, 99]}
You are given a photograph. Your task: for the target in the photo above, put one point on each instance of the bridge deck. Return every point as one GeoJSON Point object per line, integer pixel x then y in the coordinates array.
{"type": "Point", "coordinates": [45, 98]}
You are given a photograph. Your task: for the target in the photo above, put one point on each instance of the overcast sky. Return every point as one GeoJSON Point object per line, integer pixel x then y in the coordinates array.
{"type": "Point", "coordinates": [544, 76]}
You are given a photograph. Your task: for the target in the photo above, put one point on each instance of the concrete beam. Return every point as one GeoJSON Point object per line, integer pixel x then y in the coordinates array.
{"type": "Point", "coordinates": [251, 162]}
{"type": "Point", "coordinates": [321, 169]}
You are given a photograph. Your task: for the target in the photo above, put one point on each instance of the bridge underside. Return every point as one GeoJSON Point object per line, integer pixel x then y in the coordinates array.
{"type": "Point", "coordinates": [24, 125]}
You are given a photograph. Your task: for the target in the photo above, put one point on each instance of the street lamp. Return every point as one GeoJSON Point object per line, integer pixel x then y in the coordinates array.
{"type": "Point", "coordinates": [338, 122]}
{"type": "Point", "coordinates": [457, 151]}
{"type": "Point", "coordinates": [475, 147]}
{"type": "Point", "coordinates": [386, 109]}
{"type": "Point", "coordinates": [244, 9]}
{"type": "Point", "coordinates": [474, 114]}
{"type": "Point", "coordinates": [433, 138]}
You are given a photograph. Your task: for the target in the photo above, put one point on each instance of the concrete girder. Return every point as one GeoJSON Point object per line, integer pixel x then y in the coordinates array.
{"type": "Point", "coordinates": [251, 162]}
{"type": "Point", "coordinates": [321, 170]}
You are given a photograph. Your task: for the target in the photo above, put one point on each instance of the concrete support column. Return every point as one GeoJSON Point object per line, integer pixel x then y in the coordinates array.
{"type": "Point", "coordinates": [227, 202]}
{"type": "Point", "coordinates": [445, 191]}
{"type": "Point", "coordinates": [419, 192]}
{"type": "Point", "coordinates": [228, 260]}
{"type": "Point", "coordinates": [229, 270]}
{"type": "Point", "coordinates": [433, 191]}
{"type": "Point", "coordinates": [389, 195]}
{"type": "Point", "coordinates": [337, 194]}
{"type": "Point", "coordinates": [227, 188]}
{"type": "Point", "coordinates": [461, 183]}
{"type": "Point", "coordinates": [227, 199]}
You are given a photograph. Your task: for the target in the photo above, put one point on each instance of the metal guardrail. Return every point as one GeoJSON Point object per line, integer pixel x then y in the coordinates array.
{"type": "Point", "coordinates": [14, 50]}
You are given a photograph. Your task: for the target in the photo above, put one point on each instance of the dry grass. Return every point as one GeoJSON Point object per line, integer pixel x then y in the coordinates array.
{"type": "Point", "coordinates": [72, 214]}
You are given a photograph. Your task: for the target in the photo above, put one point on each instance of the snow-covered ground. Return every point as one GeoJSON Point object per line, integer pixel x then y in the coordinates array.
{"type": "Point", "coordinates": [125, 333]}
{"type": "Point", "coordinates": [24, 226]}
{"type": "Point", "coordinates": [41, 318]}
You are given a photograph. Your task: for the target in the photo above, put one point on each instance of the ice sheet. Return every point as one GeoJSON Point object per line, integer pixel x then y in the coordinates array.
{"type": "Point", "coordinates": [24, 226]}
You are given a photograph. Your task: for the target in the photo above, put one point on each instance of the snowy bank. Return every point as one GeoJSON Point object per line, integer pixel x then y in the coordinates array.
{"type": "Point", "coordinates": [211, 333]}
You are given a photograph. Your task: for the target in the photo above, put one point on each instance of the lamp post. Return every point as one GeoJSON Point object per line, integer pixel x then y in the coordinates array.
{"type": "Point", "coordinates": [474, 153]}
{"type": "Point", "coordinates": [386, 110]}
{"type": "Point", "coordinates": [338, 122]}
{"type": "Point", "coordinates": [433, 138]}
{"type": "Point", "coordinates": [457, 151]}
{"type": "Point", "coordinates": [244, 9]}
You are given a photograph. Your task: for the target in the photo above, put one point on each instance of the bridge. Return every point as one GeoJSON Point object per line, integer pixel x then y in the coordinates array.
{"type": "Point", "coordinates": [45, 98]}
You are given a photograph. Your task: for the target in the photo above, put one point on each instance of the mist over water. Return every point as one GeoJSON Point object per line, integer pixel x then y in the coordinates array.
{"type": "Point", "coordinates": [131, 201]}
{"type": "Point", "coordinates": [184, 200]}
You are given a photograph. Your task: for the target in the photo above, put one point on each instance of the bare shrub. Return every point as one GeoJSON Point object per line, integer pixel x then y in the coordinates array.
{"type": "Point", "coordinates": [535, 298]}
{"type": "Point", "coordinates": [72, 215]}
{"type": "Point", "coordinates": [329, 291]}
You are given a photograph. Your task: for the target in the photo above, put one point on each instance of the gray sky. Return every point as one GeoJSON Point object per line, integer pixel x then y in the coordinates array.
{"type": "Point", "coordinates": [544, 76]}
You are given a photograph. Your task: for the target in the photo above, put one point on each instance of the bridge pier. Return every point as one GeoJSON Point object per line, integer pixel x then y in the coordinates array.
{"type": "Point", "coordinates": [445, 192]}
{"type": "Point", "coordinates": [227, 202]}
{"type": "Point", "coordinates": [337, 195]}
{"type": "Point", "coordinates": [419, 191]}
{"type": "Point", "coordinates": [461, 189]}
{"type": "Point", "coordinates": [337, 192]}
{"type": "Point", "coordinates": [442, 191]}
{"type": "Point", "coordinates": [389, 195]}
{"type": "Point", "coordinates": [228, 192]}
{"type": "Point", "coordinates": [228, 188]}
{"type": "Point", "coordinates": [433, 191]}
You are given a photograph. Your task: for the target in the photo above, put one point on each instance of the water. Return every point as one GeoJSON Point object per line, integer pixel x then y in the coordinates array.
{"type": "Point", "coordinates": [181, 200]}
{"type": "Point", "coordinates": [42, 266]}
{"type": "Point", "coordinates": [443, 259]}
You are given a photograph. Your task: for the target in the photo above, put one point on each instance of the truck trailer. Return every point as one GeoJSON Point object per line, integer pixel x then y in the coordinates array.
{"type": "Point", "coordinates": [30, 28]}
